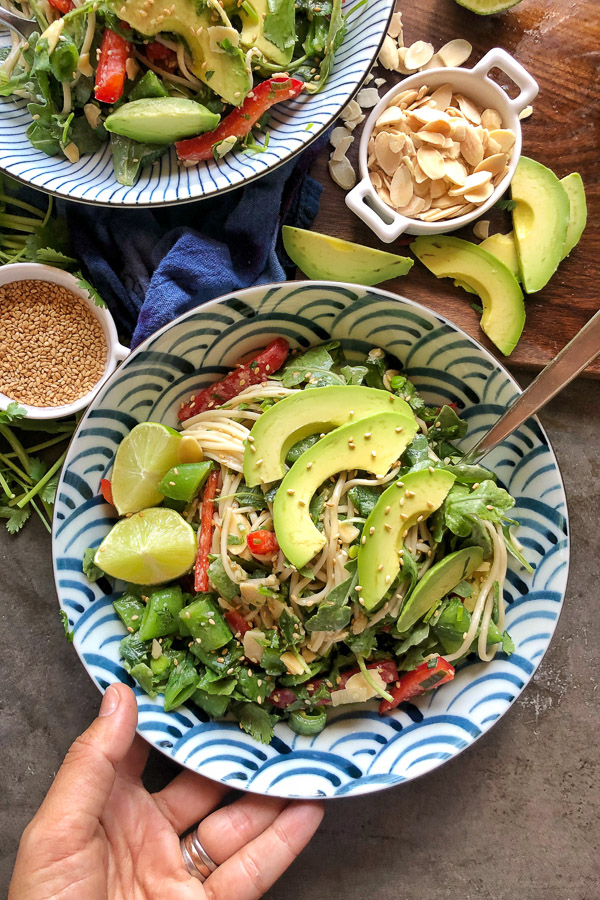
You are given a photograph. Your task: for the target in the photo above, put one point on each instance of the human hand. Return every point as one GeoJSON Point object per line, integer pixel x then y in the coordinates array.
{"type": "Point", "coordinates": [99, 833]}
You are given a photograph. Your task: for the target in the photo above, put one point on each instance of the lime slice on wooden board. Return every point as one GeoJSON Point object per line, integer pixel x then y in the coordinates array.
{"type": "Point", "coordinates": [150, 547]}
{"type": "Point", "coordinates": [487, 7]}
{"type": "Point", "coordinates": [144, 456]}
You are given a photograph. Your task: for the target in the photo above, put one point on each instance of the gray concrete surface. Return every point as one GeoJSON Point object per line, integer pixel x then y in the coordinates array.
{"type": "Point", "coordinates": [515, 816]}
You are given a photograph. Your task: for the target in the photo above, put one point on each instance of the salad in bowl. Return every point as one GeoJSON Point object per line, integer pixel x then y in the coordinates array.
{"type": "Point", "coordinates": [309, 539]}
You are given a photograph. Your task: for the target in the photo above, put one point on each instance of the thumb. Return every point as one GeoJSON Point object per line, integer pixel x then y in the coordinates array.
{"type": "Point", "coordinates": [85, 780]}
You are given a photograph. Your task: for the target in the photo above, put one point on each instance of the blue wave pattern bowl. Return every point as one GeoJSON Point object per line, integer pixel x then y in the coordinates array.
{"type": "Point", "coordinates": [293, 125]}
{"type": "Point", "coordinates": [358, 751]}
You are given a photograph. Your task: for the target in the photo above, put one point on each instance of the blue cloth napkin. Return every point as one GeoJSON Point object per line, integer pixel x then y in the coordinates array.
{"type": "Point", "coordinates": [152, 265]}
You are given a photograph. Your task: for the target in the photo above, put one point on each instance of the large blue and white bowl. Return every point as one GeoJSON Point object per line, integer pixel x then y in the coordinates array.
{"type": "Point", "coordinates": [358, 751]}
{"type": "Point", "coordinates": [292, 126]}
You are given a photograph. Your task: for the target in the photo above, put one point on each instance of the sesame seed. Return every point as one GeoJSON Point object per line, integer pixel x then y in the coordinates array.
{"type": "Point", "coordinates": [301, 502]}
{"type": "Point", "coordinates": [430, 504]}
{"type": "Point", "coordinates": [372, 529]}
{"type": "Point", "coordinates": [405, 533]}
{"type": "Point", "coordinates": [399, 484]}
{"type": "Point", "coordinates": [399, 429]}
{"type": "Point", "coordinates": [367, 435]}
{"type": "Point", "coordinates": [361, 601]}
{"type": "Point", "coordinates": [476, 485]}
{"type": "Point", "coordinates": [380, 567]}
{"type": "Point", "coordinates": [402, 501]}
{"type": "Point", "coordinates": [351, 413]}
{"type": "Point", "coordinates": [322, 435]}
{"type": "Point", "coordinates": [419, 518]}
{"type": "Point", "coordinates": [431, 469]}
{"type": "Point", "coordinates": [387, 510]}
{"type": "Point", "coordinates": [172, 483]}
{"type": "Point", "coordinates": [388, 578]}
{"type": "Point", "coordinates": [309, 465]}
{"type": "Point", "coordinates": [175, 662]}
{"type": "Point", "coordinates": [403, 516]}
{"type": "Point", "coordinates": [198, 640]}
{"type": "Point", "coordinates": [291, 491]}
{"type": "Point", "coordinates": [134, 618]}
{"type": "Point", "coordinates": [363, 540]}
{"type": "Point", "coordinates": [489, 506]}
{"type": "Point", "coordinates": [253, 448]}
{"type": "Point", "coordinates": [410, 493]}
{"type": "Point", "coordinates": [373, 453]}
{"type": "Point", "coordinates": [358, 588]}
{"type": "Point", "coordinates": [130, 629]}
{"type": "Point", "coordinates": [250, 438]}
{"type": "Point", "coordinates": [387, 527]}
{"type": "Point", "coordinates": [401, 561]}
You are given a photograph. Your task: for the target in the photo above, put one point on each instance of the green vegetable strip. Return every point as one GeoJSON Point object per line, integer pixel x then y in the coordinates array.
{"type": "Point", "coordinates": [43, 481]}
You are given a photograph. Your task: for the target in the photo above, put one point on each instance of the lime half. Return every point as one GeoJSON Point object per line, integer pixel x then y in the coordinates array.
{"type": "Point", "coordinates": [150, 547]}
{"type": "Point", "coordinates": [143, 457]}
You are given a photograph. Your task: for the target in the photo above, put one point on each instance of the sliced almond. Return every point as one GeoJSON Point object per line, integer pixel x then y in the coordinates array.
{"type": "Point", "coordinates": [491, 119]}
{"type": "Point", "coordinates": [351, 111]}
{"type": "Point", "coordinates": [427, 116]}
{"type": "Point", "coordinates": [342, 173]}
{"type": "Point", "coordinates": [525, 113]}
{"type": "Point", "coordinates": [367, 98]}
{"type": "Point", "coordinates": [387, 159]}
{"type": "Point", "coordinates": [407, 161]}
{"type": "Point", "coordinates": [472, 182]}
{"type": "Point", "coordinates": [395, 26]}
{"type": "Point", "coordinates": [338, 134]}
{"type": "Point", "coordinates": [494, 164]}
{"type": "Point", "coordinates": [419, 175]}
{"type": "Point", "coordinates": [397, 142]}
{"type": "Point", "coordinates": [402, 67]}
{"type": "Point", "coordinates": [389, 116]}
{"type": "Point", "coordinates": [442, 96]}
{"type": "Point", "coordinates": [352, 123]}
{"type": "Point", "coordinates": [436, 62]}
{"type": "Point", "coordinates": [434, 215]}
{"type": "Point", "coordinates": [438, 188]}
{"type": "Point", "coordinates": [455, 52]}
{"type": "Point", "coordinates": [406, 98]}
{"type": "Point", "coordinates": [375, 179]}
{"type": "Point", "coordinates": [458, 129]}
{"type": "Point", "coordinates": [491, 147]}
{"type": "Point", "coordinates": [472, 147]}
{"type": "Point", "coordinates": [432, 137]}
{"type": "Point", "coordinates": [431, 162]}
{"type": "Point", "coordinates": [342, 148]}
{"type": "Point", "coordinates": [384, 194]}
{"type": "Point", "coordinates": [401, 190]}
{"type": "Point", "coordinates": [454, 171]}
{"type": "Point", "coordinates": [416, 205]}
{"type": "Point", "coordinates": [481, 229]}
{"type": "Point", "coordinates": [480, 194]}
{"type": "Point", "coordinates": [388, 55]}
{"type": "Point", "coordinates": [504, 138]}
{"type": "Point", "coordinates": [468, 109]}
{"type": "Point", "coordinates": [452, 150]}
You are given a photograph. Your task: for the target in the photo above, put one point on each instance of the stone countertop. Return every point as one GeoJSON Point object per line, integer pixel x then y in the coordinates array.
{"type": "Point", "coordinates": [517, 815]}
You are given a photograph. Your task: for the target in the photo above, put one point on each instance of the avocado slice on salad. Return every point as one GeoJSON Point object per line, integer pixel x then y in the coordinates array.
{"type": "Point", "coordinates": [488, 7]}
{"type": "Point", "coordinates": [160, 120]}
{"type": "Point", "coordinates": [573, 185]}
{"type": "Point", "coordinates": [270, 27]}
{"type": "Point", "coordinates": [372, 444]}
{"type": "Point", "coordinates": [540, 220]}
{"type": "Point", "coordinates": [305, 413]}
{"type": "Point", "coordinates": [223, 70]}
{"type": "Point", "coordinates": [503, 308]}
{"type": "Point", "coordinates": [437, 582]}
{"type": "Point", "coordinates": [321, 256]}
{"type": "Point", "coordinates": [417, 494]}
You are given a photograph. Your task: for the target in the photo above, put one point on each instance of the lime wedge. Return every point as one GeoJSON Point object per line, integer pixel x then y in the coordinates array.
{"type": "Point", "coordinates": [150, 547]}
{"type": "Point", "coordinates": [143, 457]}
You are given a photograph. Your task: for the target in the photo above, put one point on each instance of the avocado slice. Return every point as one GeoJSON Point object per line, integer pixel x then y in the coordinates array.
{"type": "Point", "coordinates": [372, 444]}
{"type": "Point", "coordinates": [503, 308]}
{"type": "Point", "coordinates": [321, 256]}
{"type": "Point", "coordinates": [487, 7]}
{"type": "Point", "coordinates": [270, 26]}
{"type": "Point", "coordinates": [573, 185]}
{"type": "Point", "coordinates": [161, 120]}
{"type": "Point", "coordinates": [224, 71]}
{"type": "Point", "coordinates": [540, 220]}
{"type": "Point", "coordinates": [503, 247]}
{"type": "Point", "coordinates": [423, 492]}
{"type": "Point", "coordinates": [309, 412]}
{"type": "Point", "coordinates": [437, 582]}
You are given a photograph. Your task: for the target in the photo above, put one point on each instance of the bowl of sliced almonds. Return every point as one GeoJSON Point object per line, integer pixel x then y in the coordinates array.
{"type": "Point", "coordinates": [440, 148]}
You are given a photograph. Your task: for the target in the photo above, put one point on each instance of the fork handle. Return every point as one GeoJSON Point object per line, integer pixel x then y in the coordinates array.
{"type": "Point", "coordinates": [24, 27]}
{"type": "Point", "coordinates": [570, 361]}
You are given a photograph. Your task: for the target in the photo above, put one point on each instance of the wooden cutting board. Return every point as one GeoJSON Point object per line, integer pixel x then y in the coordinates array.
{"type": "Point", "coordinates": [558, 41]}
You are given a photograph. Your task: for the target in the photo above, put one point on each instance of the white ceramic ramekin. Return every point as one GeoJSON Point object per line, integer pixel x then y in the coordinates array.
{"type": "Point", "coordinates": [115, 351]}
{"type": "Point", "coordinates": [475, 84]}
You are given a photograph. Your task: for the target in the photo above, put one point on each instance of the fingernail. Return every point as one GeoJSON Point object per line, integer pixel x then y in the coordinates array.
{"type": "Point", "coordinates": [110, 701]}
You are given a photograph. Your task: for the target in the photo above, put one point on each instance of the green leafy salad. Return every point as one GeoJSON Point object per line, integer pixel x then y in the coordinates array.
{"type": "Point", "coordinates": [144, 74]}
{"type": "Point", "coordinates": [309, 538]}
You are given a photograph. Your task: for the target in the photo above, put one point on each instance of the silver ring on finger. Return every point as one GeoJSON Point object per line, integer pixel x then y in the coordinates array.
{"type": "Point", "coordinates": [196, 860]}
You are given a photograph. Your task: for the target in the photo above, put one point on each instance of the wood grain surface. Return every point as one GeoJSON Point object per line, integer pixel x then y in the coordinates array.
{"type": "Point", "coordinates": [558, 41]}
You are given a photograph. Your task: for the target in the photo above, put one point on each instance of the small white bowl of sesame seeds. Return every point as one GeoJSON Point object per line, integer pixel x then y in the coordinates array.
{"type": "Point", "coordinates": [440, 148]}
{"type": "Point", "coordinates": [56, 346]}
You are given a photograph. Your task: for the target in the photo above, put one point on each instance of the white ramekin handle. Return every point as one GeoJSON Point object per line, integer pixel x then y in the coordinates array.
{"type": "Point", "coordinates": [498, 58]}
{"type": "Point", "coordinates": [121, 352]}
{"type": "Point", "coordinates": [379, 217]}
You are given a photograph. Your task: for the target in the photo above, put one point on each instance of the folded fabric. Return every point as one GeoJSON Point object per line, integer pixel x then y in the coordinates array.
{"type": "Point", "coordinates": [152, 265]}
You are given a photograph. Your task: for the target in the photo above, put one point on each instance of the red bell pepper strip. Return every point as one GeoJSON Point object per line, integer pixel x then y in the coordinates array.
{"type": "Point", "coordinates": [237, 622]}
{"type": "Point", "coordinates": [239, 122]}
{"type": "Point", "coordinates": [63, 6]}
{"type": "Point", "coordinates": [106, 491]}
{"type": "Point", "coordinates": [282, 698]}
{"type": "Point", "coordinates": [270, 360]}
{"type": "Point", "coordinates": [262, 543]}
{"type": "Point", "coordinates": [111, 71]}
{"type": "Point", "coordinates": [164, 56]}
{"type": "Point", "coordinates": [205, 533]}
{"type": "Point", "coordinates": [422, 679]}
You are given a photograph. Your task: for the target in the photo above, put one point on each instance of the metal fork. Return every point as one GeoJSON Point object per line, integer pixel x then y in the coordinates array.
{"type": "Point", "coordinates": [24, 27]}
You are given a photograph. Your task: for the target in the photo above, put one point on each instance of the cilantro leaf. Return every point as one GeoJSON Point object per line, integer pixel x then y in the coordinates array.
{"type": "Point", "coordinates": [15, 518]}
{"type": "Point", "coordinates": [65, 620]}
{"type": "Point", "coordinates": [12, 413]}
{"type": "Point", "coordinates": [506, 204]}
{"type": "Point", "coordinates": [37, 468]}
{"type": "Point", "coordinates": [85, 285]}
{"type": "Point", "coordinates": [279, 24]}
{"type": "Point", "coordinates": [48, 492]}
{"type": "Point", "coordinates": [508, 645]}
{"type": "Point", "coordinates": [89, 567]}
{"type": "Point", "coordinates": [255, 721]}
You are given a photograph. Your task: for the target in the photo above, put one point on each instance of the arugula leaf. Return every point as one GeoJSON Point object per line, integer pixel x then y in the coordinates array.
{"type": "Point", "coordinates": [316, 507]}
{"type": "Point", "coordinates": [364, 643]}
{"type": "Point", "coordinates": [404, 388]}
{"type": "Point", "coordinates": [513, 549]}
{"type": "Point", "coordinates": [487, 501]}
{"type": "Point", "coordinates": [314, 366]}
{"type": "Point", "coordinates": [279, 25]}
{"type": "Point", "coordinates": [214, 683]}
{"type": "Point", "coordinates": [65, 621]}
{"type": "Point", "coordinates": [376, 365]}
{"type": "Point", "coordinates": [129, 157]}
{"type": "Point", "coordinates": [451, 623]}
{"type": "Point", "coordinates": [413, 639]}
{"type": "Point", "coordinates": [448, 426]}
{"type": "Point", "coordinates": [89, 567]}
{"type": "Point", "coordinates": [300, 447]}
{"type": "Point", "coordinates": [466, 474]}
{"type": "Point", "coordinates": [364, 498]}
{"type": "Point", "coordinates": [247, 496]}
{"type": "Point", "coordinates": [416, 455]}
{"type": "Point", "coordinates": [508, 645]}
{"type": "Point", "coordinates": [16, 518]}
{"type": "Point", "coordinates": [255, 721]}
{"type": "Point", "coordinates": [329, 618]}
{"type": "Point", "coordinates": [291, 627]}
{"type": "Point", "coordinates": [354, 374]}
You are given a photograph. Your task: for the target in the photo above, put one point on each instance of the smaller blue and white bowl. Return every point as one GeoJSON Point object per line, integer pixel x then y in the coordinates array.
{"type": "Point", "coordinates": [358, 751]}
